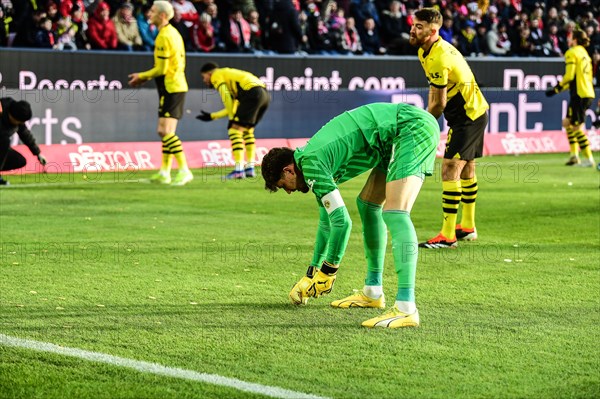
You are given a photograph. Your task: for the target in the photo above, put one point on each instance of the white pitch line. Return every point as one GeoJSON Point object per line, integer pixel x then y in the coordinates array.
{"type": "Point", "coordinates": [73, 183]}
{"type": "Point", "coordinates": [155, 368]}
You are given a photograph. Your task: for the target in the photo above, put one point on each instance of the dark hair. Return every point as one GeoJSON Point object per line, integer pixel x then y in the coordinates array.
{"type": "Point", "coordinates": [20, 110]}
{"type": "Point", "coordinates": [581, 37]}
{"type": "Point", "coordinates": [209, 66]}
{"type": "Point", "coordinates": [273, 164]}
{"type": "Point", "coordinates": [429, 15]}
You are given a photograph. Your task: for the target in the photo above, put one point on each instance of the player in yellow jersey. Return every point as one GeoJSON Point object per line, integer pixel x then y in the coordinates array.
{"type": "Point", "coordinates": [454, 92]}
{"type": "Point", "coordinates": [578, 78]}
{"type": "Point", "coordinates": [169, 75]}
{"type": "Point", "coordinates": [246, 99]}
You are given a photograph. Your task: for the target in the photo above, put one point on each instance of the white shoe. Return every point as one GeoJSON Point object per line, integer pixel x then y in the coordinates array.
{"type": "Point", "coordinates": [182, 178]}
{"type": "Point", "coordinates": [585, 163]}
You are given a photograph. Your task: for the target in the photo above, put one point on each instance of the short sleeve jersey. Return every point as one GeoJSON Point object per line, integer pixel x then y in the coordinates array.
{"type": "Point", "coordinates": [235, 80]}
{"type": "Point", "coordinates": [445, 67]}
{"type": "Point", "coordinates": [351, 144]}
{"type": "Point", "coordinates": [169, 47]}
{"type": "Point", "coordinates": [582, 82]}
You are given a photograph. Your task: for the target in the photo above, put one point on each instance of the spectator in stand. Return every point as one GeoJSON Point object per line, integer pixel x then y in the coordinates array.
{"type": "Point", "coordinates": [128, 34]}
{"type": "Point", "coordinates": [3, 29]}
{"type": "Point", "coordinates": [45, 37]}
{"type": "Point", "coordinates": [592, 32]}
{"type": "Point", "coordinates": [66, 7]}
{"type": "Point", "coordinates": [203, 36]}
{"type": "Point", "coordinates": [362, 10]}
{"type": "Point", "coordinates": [304, 46]}
{"type": "Point", "coordinates": [212, 10]}
{"type": "Point", "coordinates": [255, 31]}
{"type": "Point", "coordinates": [320, 40]}
{"type": "Point", "coordinates": [447, 32]}
{"type": "Point", "coordinates": [491, 18]}
{"type": "Point", "coordinates": [352, 42]}
{"type": "Point", "coordinates": [238, 39]}
{"type": "Point", "coordinates": [554, 39]}
{"type": "Point", "coordinates": [497, 40]}
{"type": "Point", "coordinates": [284, 28]}
{"type": "Point", "coordinates": [65, 33]}
{"type": "Point", "coordinates": [467, 40]}
{"type": "Point", "coordinates": [52, 13]}
{"type": "Point", "coordinates": [101, 29]}
{"type": "Point", "coordinates": [552, 17]}
{"type": "Point", "coordinates": [370, 39]}
{"type": "Point", "coordinates": [179, 24]}
{"type": "Point", "coordinates": [188, 12]}
{"type": "Point", "coordinates": [79, 19]}
{"type": "Point", "coordinates": [481, 40]}
{"type": "Point", "coordinates": [202, 5]}
{"type": "Point", "coordinates": [565, 36]}
{"type": "Point", "coordinates": [524, 46]}
{"type": "Point", "coordinates": [394, 33]}
{"type": "Point", "coordinates": [148, 31]}
{"type": "Point", "coordinates": [26, 21]}
{"type": "Point", "coordinates": [541, 43]}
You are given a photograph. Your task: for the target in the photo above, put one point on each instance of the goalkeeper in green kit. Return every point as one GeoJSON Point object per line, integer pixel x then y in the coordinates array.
{"type": "Point", "coordinates": [398, 143]}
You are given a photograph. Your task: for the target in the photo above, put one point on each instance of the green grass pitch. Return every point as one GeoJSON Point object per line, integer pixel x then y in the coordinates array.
{"type": "Point", "coordinates": [197, 277]}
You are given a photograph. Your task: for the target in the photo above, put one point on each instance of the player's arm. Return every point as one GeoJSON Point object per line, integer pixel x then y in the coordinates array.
{"type": "Point", "coordinates": [161, 64]}
{"type": "Point", "coordinates": [568, 77]}
{"type": "Point", "coordinates": [228, 102]}
{"type": "Point", "coordinates": [27, 138]}
{"type": "Point", "coordinates": [438, 97]}
{"type": "Point", "coordinates": [322, 241]}
{"type": "Point", "coordinates": [340, 225]}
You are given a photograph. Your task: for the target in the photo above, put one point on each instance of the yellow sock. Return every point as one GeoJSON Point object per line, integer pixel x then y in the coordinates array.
{"type": "Point", "coordinates": [584, 144]}
{"type": "Point", "coordinates": [468, 197]}
{"type": "Point", "coordinates": [176, 148]}
{"type": "Point", "coordinates": [249, 142]}
{"type": "Point", "coordinates": [572, 142]}
{"type": "Point", "coordinates": [237, 148]}
{"type": "Point", "coordinates": [450, 200]}
{"type": "Point", "coordinates": [167, 157]}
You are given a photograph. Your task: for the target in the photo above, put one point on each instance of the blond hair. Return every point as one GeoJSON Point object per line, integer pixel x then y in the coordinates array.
{"type": "Point", "coordinates": [166, 7]}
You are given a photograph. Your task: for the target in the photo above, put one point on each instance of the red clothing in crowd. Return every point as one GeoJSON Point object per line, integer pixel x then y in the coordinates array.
{"type": "Point", "coordinates": [66, 6]}
{"type": "Point", "coordinates": [101, 31]}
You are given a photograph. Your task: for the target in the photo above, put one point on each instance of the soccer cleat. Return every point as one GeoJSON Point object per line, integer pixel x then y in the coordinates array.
{"type": "Point", "coordinates": [359, 300]}
{"type": "Point", "coordinates": [236, 174]}
{"type": "Point", "coordinates": [586, 163]}
{"type": "Point", "coordinates": [574, 160]}
{"type": "Point", "coordinates": [393, 319]}
{"type": "Point", "coordinates": [438, 242]}
{"type": "Point", "coordinates": [182, 178]}
{"type": "Point", "coordinates": [4, 182]}
{"type": "Point", "coordinates": [322, 284]}
{"type": "Point", "coordinates": [160, 178]}
{"type": "Point", "coordinates": [298, 295]}
{"type": "Point", "coordinates": [466, 234]}
{"type": "Point", "coordinates": [250, 172]}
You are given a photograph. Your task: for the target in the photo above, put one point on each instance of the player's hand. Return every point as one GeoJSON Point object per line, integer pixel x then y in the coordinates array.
{"type": "Point", "coordinates": [551, 91]}
{"type": "Point", "coordinates": [299, 294]}
{"type": "Point", "coordinates": [42, 159]}
{"type": "Point", "coordinates": [204, 116]}
{"type": "Point", "coordinates": [135, 80]}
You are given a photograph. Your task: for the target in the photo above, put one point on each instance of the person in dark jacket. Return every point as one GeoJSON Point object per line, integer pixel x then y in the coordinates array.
{"type": "Point", "coordinates": [283, 28]}
{"type": "Point", "coordinates": [13, 115]}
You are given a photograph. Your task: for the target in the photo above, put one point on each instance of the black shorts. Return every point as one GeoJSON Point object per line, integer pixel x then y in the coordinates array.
{"type": "Point", "coordinates": [465, 141]}
{"type": "Point", "coordinates": [10, 159]}
{"type": "Point", "coordinates": [577, 108]}
{"type": "Point", "coordinates": [252, 107]}
{"type": "Point", "coordinates": [170, 105]}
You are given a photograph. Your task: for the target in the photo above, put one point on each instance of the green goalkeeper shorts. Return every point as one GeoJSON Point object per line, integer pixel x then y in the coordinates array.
{"type": "Point", "coordinates": [414, 147]}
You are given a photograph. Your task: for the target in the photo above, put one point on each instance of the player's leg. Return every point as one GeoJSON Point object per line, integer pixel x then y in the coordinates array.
{"type": "Point", "coordinates": [414, 156]}
{"type": "Point", "coordinates": [466, 230]}
{"type": "Point", "coordinates": [578, 127]}
{"type": "Point", "coordinates": [573, 148]}
{"type": "Point", "coordinates": [370, 204]}
{"type": "Point", "coordinates": [172, 111]}
{"type": "Point", "coordinates": [401, 195]}
{"type": "Point", "coordinates": [9, 159]}
{"type": "Point", "coordinates": [235, 132]}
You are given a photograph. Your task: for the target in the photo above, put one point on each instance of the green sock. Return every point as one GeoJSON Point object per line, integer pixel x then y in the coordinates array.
{"type": "Point", "coordinates": [404, 248]}
{"type": "Point", "coordinates": [374, 240]}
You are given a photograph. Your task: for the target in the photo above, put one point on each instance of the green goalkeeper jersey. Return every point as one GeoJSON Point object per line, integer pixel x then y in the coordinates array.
{"type": "Point", "coordinates": [399, 139]}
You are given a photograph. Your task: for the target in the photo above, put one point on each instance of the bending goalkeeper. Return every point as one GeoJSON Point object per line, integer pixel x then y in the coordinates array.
{"type": "Point", "coordinates": [398, 143]}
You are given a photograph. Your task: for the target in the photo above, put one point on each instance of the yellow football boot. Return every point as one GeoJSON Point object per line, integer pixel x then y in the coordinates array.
{"type": "Point", "coordinates": [359, 300]}
{"type": "Point", "coordinates": [393, 319]}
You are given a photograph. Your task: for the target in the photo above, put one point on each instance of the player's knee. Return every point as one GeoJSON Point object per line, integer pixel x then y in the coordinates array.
{"type": "Point", "coordinates": [566, 123]}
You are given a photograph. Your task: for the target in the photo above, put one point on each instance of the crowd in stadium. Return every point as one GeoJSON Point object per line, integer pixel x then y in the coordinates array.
{"type": "Point", "coordinates": [525, 28]}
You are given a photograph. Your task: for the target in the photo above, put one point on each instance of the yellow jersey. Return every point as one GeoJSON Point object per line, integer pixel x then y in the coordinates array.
{"type": "Point", "coordinates": [229, 82]}
{"type": "Point", "coordinates": [444, 66]}
{"type": "Point", "coordinates": [235, 80]}
{"type": "Point", "coordinates": [169, 61]}
{"type": "Point", "coordinates": [578, 77]}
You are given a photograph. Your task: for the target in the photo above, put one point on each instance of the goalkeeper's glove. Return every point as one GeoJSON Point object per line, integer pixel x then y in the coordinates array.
{"type": "Point", "coordinates": [552, 91]}
{"type": "Point", "coordinates": [204, 116]}
{"type": "Point", "coordinates": [299, 293]}
{"type": "Point", "coordinates": [42, 159]}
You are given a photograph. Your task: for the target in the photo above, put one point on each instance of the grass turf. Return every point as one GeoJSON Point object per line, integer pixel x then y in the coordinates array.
{"type": "Point", "coordinates": [197, 277]}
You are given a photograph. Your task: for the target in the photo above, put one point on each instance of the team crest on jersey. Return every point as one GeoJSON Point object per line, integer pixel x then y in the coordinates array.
{"type": "Point", "coordinates": [327, 204]}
